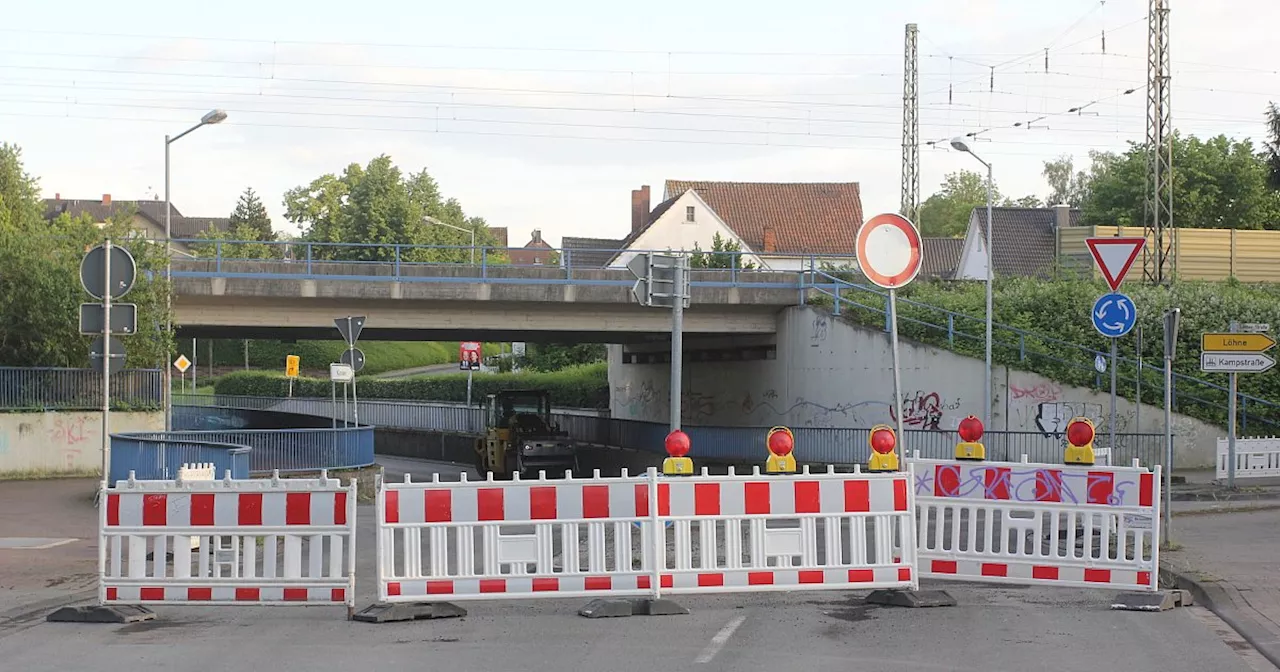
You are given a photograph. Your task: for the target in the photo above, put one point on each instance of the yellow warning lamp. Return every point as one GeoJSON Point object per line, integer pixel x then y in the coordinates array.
{"type": "Point", "coordinates": [970, 446]}
{"type": "Point", "coordinates": [1080, 433]}
{"type": "Point", "coordinates": [781, 442]}
{"type": "Point", "coordinates": [678, 464]}
{"type": "Point", "coordinates": [883, 440]}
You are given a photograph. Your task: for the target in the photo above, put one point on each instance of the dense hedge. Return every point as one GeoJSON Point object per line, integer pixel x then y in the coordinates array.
{"type": "Point", "coordinates": [576, 387]}
{"type": "Point", "coordinates": [1054, 315]}
{"type": "Point", "coordinates": [380, 356]}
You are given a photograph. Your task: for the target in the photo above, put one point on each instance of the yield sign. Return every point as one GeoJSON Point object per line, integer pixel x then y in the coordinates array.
{"type": "Point", "coordinates": [1115, 257]}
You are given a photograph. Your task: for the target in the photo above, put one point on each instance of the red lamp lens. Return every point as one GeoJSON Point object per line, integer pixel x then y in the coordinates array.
{"type": "Point", "coordinates": [781, 444]}
{"type": "Point", "coordinates": [883, 441]}
{"type": "Point", "coordinates": [677, 444]}
{"type": "Point", "coordinates": [970, 429]}
{"type": "Point", "coordinates": [1079, 433]}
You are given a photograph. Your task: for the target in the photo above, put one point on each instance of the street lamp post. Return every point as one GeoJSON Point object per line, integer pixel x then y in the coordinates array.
{"type": "Point", "coordinates": [963, 146]}
{"type": "Point", "coordinates": [212, 117]}
{"type": "Point", "coordinates": [433, 220]}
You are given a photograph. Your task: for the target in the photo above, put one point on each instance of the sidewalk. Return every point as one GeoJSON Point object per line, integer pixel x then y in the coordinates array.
{"type": "Point", "coordinates": [1232, 563]}
{"type": "Point", "coordinates": [48, 542]}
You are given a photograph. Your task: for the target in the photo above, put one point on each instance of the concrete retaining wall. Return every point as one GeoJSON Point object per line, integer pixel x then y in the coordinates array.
{"type": "Point", "coordinates": [829, 373]}
{"type": "Point", "coordinates": [62, 442]}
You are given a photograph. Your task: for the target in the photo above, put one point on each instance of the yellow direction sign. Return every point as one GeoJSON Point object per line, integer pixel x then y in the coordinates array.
{"type": "Point", "coordinates": [182, 363]}
{"type": "Point", "coordinates": [1236, 342]}
{"type": "Point", "coordinates": [291, 366]}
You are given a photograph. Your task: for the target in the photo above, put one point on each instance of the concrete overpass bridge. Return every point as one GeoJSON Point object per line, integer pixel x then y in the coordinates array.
{"type": "Point", "coordinates": [219, 297]}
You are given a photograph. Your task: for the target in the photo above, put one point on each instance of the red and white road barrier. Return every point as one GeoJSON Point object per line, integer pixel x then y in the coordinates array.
{"type": "Point", "coordinates": [1023, 523]}
{"type": "Point", "coordinates": [635, 535]}
{"type": "Point", "coordinates": [263, 542]}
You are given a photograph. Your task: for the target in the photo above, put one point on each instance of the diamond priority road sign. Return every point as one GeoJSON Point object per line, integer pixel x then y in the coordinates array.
{"type": "Point", "coordinates": [1235, 362]}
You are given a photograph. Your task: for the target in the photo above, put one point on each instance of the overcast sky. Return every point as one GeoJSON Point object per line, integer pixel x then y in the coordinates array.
{"type": "Point", "coordinates": [546, 114]}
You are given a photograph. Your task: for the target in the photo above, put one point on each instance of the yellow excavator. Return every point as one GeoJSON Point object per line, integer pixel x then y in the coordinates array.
{"type": "Point", "coordinates": [520, 437]}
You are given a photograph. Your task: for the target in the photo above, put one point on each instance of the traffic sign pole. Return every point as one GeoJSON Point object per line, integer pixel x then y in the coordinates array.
{"type": "Point", "coordinates": [1231, 420]}
{"type": "Point", "coordinates": [106, 369]}
{"type": "Point", "coordinates": [897, 371]}
{"type": "Point", "coordinates": [1112, 424]}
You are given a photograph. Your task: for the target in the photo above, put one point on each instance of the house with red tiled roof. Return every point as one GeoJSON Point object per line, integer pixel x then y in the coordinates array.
{"type": "Point", "coordinates": [777, 225]}
{"type": "Point", "coordinates": [536, 252]}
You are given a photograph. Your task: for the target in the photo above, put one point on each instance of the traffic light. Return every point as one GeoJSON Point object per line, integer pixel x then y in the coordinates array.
{"type": "Point", "coordinates": [1080, 434]}
{"type": "Point", "coordinates": [678, 464]}
{"type": "Point", "coordinates": [970, 446]}
{"type": "Point", "coordinates": [883, 440]}
{"type": "Point", "coordinates": [781, 442]}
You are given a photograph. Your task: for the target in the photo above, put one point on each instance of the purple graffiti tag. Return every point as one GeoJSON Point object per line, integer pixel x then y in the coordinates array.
{"type": "Point", "coordinates": [1031, 485]}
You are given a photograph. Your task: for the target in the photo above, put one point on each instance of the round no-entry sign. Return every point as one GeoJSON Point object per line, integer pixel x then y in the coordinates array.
{"type": "Point", "coordinates": [889, 250]}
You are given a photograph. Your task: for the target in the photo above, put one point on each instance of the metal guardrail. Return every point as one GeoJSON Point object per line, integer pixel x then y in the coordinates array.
{"type": "Point", "coordinates": [156, 456]}
{"type": "Point", "coordinates": [291, 450]}
{"type": "Point", "coordinates": [460, 263]}
{"type": "Point", "coordinates": [813, 444]}
{"type": "Point", "coordinates": [67, 389]}
{"type": "Point", "coordinates": [931, 324]}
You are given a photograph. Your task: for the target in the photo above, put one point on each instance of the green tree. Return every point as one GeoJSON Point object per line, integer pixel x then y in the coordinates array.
{"type": "Point", "coordinates": [946, 213]}
{"type": "Point", "coordinates": [1066, 184]}
{"type": "Point", "coordinates": [40, 290]}
{"type": "Point", "coordinates": [724, 253]}
{"type": "Point", "coordinates": [250, 215]}
{"type": "Point", "coordinates": [1273, 144]}
{"type": "Point", "coordinates": [259, 249]}
{"type": "Point", "coordinates": [377, 204]}
{"type": "Point", "coordinates": [1218, 183]}
{"type": "Point", "coordinates": [556, 356]}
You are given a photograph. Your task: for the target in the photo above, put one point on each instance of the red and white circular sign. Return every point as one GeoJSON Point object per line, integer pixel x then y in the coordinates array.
{"type": "Point", "coordinates": [889, 250]}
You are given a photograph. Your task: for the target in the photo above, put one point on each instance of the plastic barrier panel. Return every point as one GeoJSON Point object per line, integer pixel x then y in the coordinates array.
{"type": "Point", "coordinates": [1023, 523]}
{"type": "Point", "coordinates": [263, 542]}
{"type": "Point", "coordinates": [1255, 458]}
{"type": "Point", "coordinates": [644, 535]}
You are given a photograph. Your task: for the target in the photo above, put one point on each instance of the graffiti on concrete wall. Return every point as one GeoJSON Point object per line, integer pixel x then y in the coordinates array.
{"type": "Point", "coordinates": [70, 431]}
{"type": "Point", "coordinates": [924, 409]}
{"type": "Point", "coordinates": [1052, 417]}
{"type": "Point", "coordinates": [636, 401]}
{"type": "Point", "coordinates": [1038, 393]}
{"type": "Point", "coordinates": [818, 332]}
{"type": "Point", "coordinates": [768, 408]}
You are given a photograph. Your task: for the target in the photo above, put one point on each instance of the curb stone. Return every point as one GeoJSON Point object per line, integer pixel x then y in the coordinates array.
{"type": "Point", "coordinates": [1216, 599]}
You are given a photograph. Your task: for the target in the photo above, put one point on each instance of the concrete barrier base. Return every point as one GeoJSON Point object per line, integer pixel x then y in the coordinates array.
{"type": "Point", "coordinates": [393, 613]}
{"type": "Point", "coordinates": [1163, 600]}
{"type": "Point", "coordinates": [618, 608]}
{"type": "Point", "coordinates": [917, 599]}
{"type": "Point", "coordinates": [98, 613]}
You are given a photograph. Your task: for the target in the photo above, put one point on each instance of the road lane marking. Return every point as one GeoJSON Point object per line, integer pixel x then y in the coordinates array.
{"type": "Point", "coordinates": [720, 640]}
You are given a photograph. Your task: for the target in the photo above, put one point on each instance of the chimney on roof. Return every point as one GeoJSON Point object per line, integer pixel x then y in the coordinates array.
{"type": "Point", "coordinates": [639, 208]}
{"type": "Point", "coordinates": [106, 199]}
{"type": "Point", "coordinates": [1062, 215]}
{"type": "Point", "coordinates": [537, 235]}
{"type": "Point", "coordinates": [57, 196]}
{"type": "Point", "coordinates": [770, 240]}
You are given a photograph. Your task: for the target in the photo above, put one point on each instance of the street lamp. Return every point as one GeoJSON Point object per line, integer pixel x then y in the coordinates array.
{"type": "Point", "coordinates": [433, 220]}
{"type": "Point", "coordinates": [960, 144]}
{"type": "Point", "coordinates": [210, 118]}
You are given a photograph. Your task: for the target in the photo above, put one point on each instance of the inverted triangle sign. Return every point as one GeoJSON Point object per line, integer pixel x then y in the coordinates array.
{"type": "Point", "coordinates": [1115, 256]}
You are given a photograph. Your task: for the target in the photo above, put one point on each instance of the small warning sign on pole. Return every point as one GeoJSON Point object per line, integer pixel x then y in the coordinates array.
{"type": "Point", "coordinates": [291, 363]}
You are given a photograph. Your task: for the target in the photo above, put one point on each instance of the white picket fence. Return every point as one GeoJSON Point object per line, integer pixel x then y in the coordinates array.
{"type": "Point", "coordinates": [1257, 457]}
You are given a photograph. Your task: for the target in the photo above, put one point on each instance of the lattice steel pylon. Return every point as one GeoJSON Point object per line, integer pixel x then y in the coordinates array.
{"type": "Point", "coordinates": [1158, 262]}
{"type": "Point", "coordinates": [910, 207]}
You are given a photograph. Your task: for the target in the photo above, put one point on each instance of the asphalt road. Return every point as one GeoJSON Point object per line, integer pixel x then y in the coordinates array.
{"type": "Point", "coordinates": [993, 629]}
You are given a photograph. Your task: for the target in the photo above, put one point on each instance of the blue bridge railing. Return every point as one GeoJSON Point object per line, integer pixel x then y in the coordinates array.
{"type": "Point", "coordinates": [156, 456]}
{"type": "Point", "coordinates": [68, 389]}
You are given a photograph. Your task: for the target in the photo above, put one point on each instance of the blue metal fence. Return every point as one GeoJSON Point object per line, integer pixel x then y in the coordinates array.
{"type": "Point", "coordinates": [155, 456]}
{"type": "Point", "coordinates": [293, 450]}
{"type": "Point", "coordinates": [813, 444]}
{"type": "Point", "coordinates": [67, 389]}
